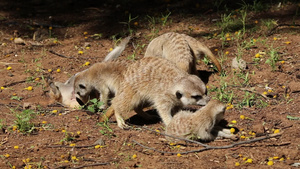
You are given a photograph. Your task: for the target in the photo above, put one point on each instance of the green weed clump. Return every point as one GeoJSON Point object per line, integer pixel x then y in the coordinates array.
{"type": "Point", "coordinates": [23, 121]}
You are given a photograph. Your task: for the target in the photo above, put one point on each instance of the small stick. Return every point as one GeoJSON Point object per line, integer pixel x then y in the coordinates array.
{"type": "Point", "coordinates": [90, 165]}
{"type": "Point", "coordinates": [14, 83]}
{"type": "Point", "coordinates": [212, 147]}
{"type": "Point", "coordinates": [109, 112]}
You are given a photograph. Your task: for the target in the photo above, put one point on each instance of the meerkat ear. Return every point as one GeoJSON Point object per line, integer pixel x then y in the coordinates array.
{"type": "Point", "coordinates": [178, 95]}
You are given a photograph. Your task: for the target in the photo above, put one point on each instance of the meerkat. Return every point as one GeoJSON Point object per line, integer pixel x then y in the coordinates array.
{"type": "Point", "coordinates": [181, 49]}
{"type": "Point", "coordinates": [159, 82]}
{"type": "Point", "coordinates": [202, 124]}
{"type": "Point", "coordinates": [64, 92]}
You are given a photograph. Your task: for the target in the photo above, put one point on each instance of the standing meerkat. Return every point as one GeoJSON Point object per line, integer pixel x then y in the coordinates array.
{"type": "Point", "coordinates": [64, 92]}
{"type": "Point", "coordinates": [181, 49]}
{"type": "Point", "coordinates": [202, 124]}
{"type": "Point", "coordinates": [159, 82]}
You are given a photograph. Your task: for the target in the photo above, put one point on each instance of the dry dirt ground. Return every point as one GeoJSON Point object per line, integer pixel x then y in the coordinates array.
{"type": "Point", "coordinates": [85, 32]}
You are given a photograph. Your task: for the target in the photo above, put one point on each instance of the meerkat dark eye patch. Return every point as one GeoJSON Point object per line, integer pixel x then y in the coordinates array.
{"type": "Point", "coordinates": [197, 97]}
{"type": "Point", "coordinates": [81, 86]}
{"type": "Point", "coordinates": [79, 101]}
{"type": "Point", "coordinates": [178, 95]}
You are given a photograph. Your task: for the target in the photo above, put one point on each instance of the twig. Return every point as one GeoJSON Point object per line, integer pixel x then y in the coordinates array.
{"type": "Point", "coordinates": [212, 147]}
{"type": "Point", "coordinates": [5, 63]}
{"type": "Point", "coordinates": [90, 165]}
{"type": "Point", "coordinates": [60, 55]}
{"type": "Point", "coordinates": [248, 90]}
{"type": "Point", "coordinates": [84, 146]}
{"type": "Point", "coordinates": [280, 25]}
{"type": "Point", "coordinates": [14, 83]}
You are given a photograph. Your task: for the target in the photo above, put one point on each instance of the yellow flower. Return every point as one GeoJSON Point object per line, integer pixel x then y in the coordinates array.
{"type": "Point", "coordinates": [276, 157]}
{"type": "Point", "coordinates": [227, 35]}
{"type": "Point", "coordinates": [78, 132]}
{"type": "Point", "coordinates": [257, 55]}
{"type": "Point", "coordinates": [80, 52]}
{"type": "Point", "coordinates": [216, 50]}
{"type": "Point", "coordinates": [243, 137]}
{"type": "Point", "coordinates": [74, 158]}
{"type": "Point", "coordinates": [58, 70]}
{"type": "Point", "coordinates": [110, 49]}
{"type": "Point", "coordinates": [44, 122]}
{"type": "Point", "coordinates": [232, 130]}
{"type": "Point", "coordinates": [6, 155]}
{"type": "Point", "coordinates": [16, 147]}
{"type": "Point", "coordinates": [37, 79]}
{"type": "Point", "coordinates": [233, 121]}
{"type": "Point", "coordinates": [85, 33]}
{"type": "Point", "coordinates": [270, 162]}
{"type": "Point", "coordinates": [172, 144]}
{"type": "Point", "coordinates": [178, 155]}
{"type": "Point", "coordinates": [256, 22]}
{"type": "Point", "coordinates": [282, 62]}
{"type": "Point", "coordinates": [136, 23]}
{"type": "Point", "coordinates": [87, 47]}
{"type": "Point", "coordinates": [134, 156]}
{"type": "Point", "coordinates": [244, 159]}
{"type": "Point", "coordinates": [29, 88]}
{"type": "Point", "coordinates": [50, 28]}
{"type": "Point", "coordinates": [254, 40]}
{"type": "Point", "coordinates": [242, 117]}
{"type": "Point", "coordinates": [63, 131]}
{"type": "Point", "coordinates": [276, 131]}
{"type": "Point", "coordinates": [86, 63]}
{"type": "Point", "coordinates": [8, 68]}
{"type": "Point", "coordinates": [15, 128]}
{"type": "Point", "coordinates": [66, 161]}
{"type": "Point", "coordinates": [274, 38]}
{"type": "Point", "coordinates": [72, 144]}
{"type": "Point", "coordinates": [281, 159]}
{"type": "Point", "coordinates": [287, 42]}
{"type": "Point", "coordinates": [54, 111]}
{"type": "Point", "coordinates": [215, 34]}
{"type": "Point", "coordinates": [2, 88]}
{"type": "Point", "coordinates": [228, 39]}
{"type": "Point", "coordinates": [226, 53]}
{"type": "Point", "coordinates": [97, 146]}
{"type": "Point", "coordinates": [270, 90]}
{"type": "Point", "coordinates": [157, 131]}
{"type": "Point", "coordinates": [265, 93]}
{"type": "Point", "coordinates": [49, 70]}
{"type": "Point", "coordinates": [283, 87]}
{"type": "Point", "coordinates": [287, 95]}
{"type": "Point", "coordinates": [237, 164]}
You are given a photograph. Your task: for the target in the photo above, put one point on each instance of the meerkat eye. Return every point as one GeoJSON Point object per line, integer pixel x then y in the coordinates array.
{"type": "Point", "coordinates": [81, 86]}
{"type": "Point", "coordinates": [178, 95]}
{"type": "Point", "coordinates": [197, 97]}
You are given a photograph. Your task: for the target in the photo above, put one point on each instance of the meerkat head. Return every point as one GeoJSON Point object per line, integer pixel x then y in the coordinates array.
{"type": "Point", "coordinates": [191, 90]}
{"type": "Point", "coordinates": [84, 90]}
{"type": "Point", "coordinates": [64, 92]}
{"type": "Point", "coordinates": [216, 110]}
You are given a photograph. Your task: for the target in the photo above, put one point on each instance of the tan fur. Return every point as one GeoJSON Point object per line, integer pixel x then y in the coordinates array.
{"type": "Point", "coordinates": [159, 82]}
{"type": "Point", "coordinates": [202, 124]}
{"type": "Point", "coordinates": [181, 49]}
{"type": "Point", "coordinates": [64, 92]}
{"type": "Point", "coordinates": [104, 78]}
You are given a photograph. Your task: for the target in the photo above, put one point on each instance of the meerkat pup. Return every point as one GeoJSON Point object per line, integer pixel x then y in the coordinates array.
{"type": "Point", "coordinates": [202, 124]}
{"type": "Point", "coordinates": [159, 82]}
{"type": "Point", "coordinates": [64, 92]}
{"type": "Point", "coordinates": [181, 49]}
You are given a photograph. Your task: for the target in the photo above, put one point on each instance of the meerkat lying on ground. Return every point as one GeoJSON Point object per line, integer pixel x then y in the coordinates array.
{"type": "Point", "coordinates": [202, 124]}
{"type": "Point", "coordinates": [181, 49]}
{"type": "Point", "coordinates": [64, 92]}
{"type": "Point", "coordinates": [159, 82]}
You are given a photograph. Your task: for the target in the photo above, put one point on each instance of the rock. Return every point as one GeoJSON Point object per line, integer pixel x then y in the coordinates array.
{"type": "Point", "coordinates": [19, 41]}
{"type": "Point", "coordinates": [238, 64]}
{"type": "Point", "coordinates": [294, 86]}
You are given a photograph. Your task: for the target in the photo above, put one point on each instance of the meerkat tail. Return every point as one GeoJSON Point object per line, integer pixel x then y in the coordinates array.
{"type": "Point", "coordinates": [117, 50]}
{"type": "Point", "coordinates": [197, 47]}
{"type": "Point", "coordinates": [212, 57]}
{"type": "Point", "coordinates": [109, 112]}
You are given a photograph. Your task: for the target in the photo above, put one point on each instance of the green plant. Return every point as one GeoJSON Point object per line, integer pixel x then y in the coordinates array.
{"type": "Point", "coordinates": [16, 98]}
{"type": "Point", "coordinates": [2, 125]}
{"type": "Point", "coordinates": [93, 105]}
{"type": "Point", "coordinates": [164, 18]}
{"type": "Point", "coordinates": [106, 130]}
{"type": "Point", "coordinates": [248, 100]}
{"type": "Point", "coordinates": [23, 121]}
{"type": "Point", "coordinates": [245, 77]}
{"type": "Point", "coordinates": [274, 57]}
{"type": "Point", "coordinates": [222, 93]}
{"type": "Point", "coordinates": [128, 23]}
{"type": "Point", "coordinates": [68, 137]}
